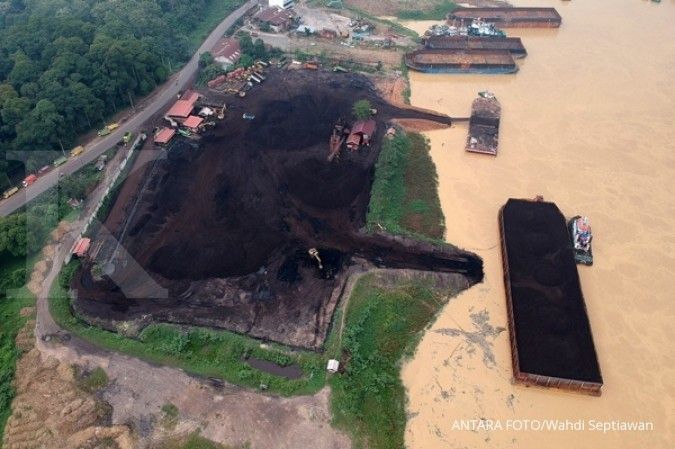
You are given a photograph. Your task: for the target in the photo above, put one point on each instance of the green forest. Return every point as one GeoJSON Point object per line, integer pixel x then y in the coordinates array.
{"type": "Point", "coordinates": [66, 65]}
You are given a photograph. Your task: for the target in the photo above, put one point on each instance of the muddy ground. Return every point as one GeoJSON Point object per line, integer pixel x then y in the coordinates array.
{"type": "Point", "coordinates": [216, 232]}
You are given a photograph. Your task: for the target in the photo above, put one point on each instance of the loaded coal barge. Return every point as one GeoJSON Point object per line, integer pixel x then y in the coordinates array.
{"type": "Point", "coordinates": [484, 124]}
{"type": "Point", "coordinates": [513, 45]}
{"type": "Point", "coordinates": [461, 61]}
{"type": "Point", "coordinates": [551, 340]}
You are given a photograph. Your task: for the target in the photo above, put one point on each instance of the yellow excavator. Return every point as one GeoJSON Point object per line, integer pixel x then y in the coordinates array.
{"type": "Point", "coordinates": [314, 253]}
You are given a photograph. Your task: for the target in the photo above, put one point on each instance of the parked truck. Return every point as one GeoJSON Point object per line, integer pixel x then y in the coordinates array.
{"type": "Point", "coordinates": [30, 179]}
{"type": "Point", "coordinates": [77, 151]}
{"type": "Point", "coordinates": [7, 193]}
{"type": "Point", "coordinates": [60, 161]}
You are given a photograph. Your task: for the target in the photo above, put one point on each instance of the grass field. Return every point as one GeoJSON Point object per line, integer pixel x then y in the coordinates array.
{"type": "Point", "coordinates": [383, 327]}
{"type": "Point", "coordinates": [404, 198]}
{"type": "Point", "coordinates": [437, 11]}
{"type": "Point", "coordinates": [194, 441]}
{"type": "Point", "coordinates": [13, 298]}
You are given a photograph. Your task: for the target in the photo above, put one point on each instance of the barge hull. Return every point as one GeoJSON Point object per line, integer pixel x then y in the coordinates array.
{"type": "Point", "coordinates": [514, 45]}
{"type": "Point", "coordinates": [459, 61]}
{"type": "Point", "coordinates": [509, 17]}
{"type": "Point", "coordinates": [550, 334]}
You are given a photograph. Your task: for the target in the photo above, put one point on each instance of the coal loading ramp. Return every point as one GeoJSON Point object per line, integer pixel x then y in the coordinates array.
{"type": "Point", "coordinates": [551, 340]}
{"type": "Point", "coordinates": [226, 226]}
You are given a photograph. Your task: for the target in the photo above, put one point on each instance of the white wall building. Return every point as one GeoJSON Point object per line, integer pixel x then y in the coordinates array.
{"type": "Point", "coordinates": [285, 4]}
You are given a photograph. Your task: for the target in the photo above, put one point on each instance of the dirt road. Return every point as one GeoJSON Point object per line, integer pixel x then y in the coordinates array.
{"type": "Point", "coordinates": [146, 109]}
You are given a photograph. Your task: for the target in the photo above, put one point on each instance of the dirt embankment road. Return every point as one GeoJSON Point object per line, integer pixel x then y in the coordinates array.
{"type": "Point", "coordinates": [144, 111]}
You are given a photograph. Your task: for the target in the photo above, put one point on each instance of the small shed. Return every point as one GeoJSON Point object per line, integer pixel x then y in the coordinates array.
{"type": "Point", "coordinates": [333, 366]}
{"type": "Point", "coordinates": [181, 109]}
{"type": "Point", "coordinates": [362, 132]}
{"type": "Point", "coordinates": [164, 136]}
{"type": "Point", "coordinates": [193, 122]}
{"type": "Point", "coordinates": [81, 247]}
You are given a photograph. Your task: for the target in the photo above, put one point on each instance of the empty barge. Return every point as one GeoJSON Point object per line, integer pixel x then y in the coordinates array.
{"type": "Point", "coordinates": [509, 17]}
{"type": "Point", "coordinates": [461, 61]}
{"type": "Point", "coordinates": [484, 125]}
{"type": "Point", "coordinates": [514, 45]}
{"type": "Point", "coordinates": [551, 340]}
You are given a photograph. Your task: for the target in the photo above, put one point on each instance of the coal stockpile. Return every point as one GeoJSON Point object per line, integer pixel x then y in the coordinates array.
{"type": "Point", "coordinates": [551, 338]}
{"type": "Point", "coordinates": [222, 232]}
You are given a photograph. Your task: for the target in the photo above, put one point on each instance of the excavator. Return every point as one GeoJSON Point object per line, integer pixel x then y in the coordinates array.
{"type": "Point", "coordinates": [314, 253]}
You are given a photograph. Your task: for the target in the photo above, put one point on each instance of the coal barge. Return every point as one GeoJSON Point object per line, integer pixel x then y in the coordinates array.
{"type": "Point", "coordinates": [551, 340]}
{"type": "Point", "coordinates": [461, 61]}
{"type": "Point", "coordinates": [484, 125]}
{"type": "Point", "coordinates": [509, 17]}
{"type": "Point", "coordinates": [513, 45]}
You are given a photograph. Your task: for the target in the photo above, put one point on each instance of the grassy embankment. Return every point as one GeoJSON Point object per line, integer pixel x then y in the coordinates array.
{"type": "Point", "coordinates": [437, 11]}
{"type": "Point", "coordinates": [404, 197]}
{"type": "Point", "coordinates": [193, 441]}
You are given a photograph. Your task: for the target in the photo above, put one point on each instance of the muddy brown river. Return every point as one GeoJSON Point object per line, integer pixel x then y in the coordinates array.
{"type": "Point", "coordinates": [588, 122]}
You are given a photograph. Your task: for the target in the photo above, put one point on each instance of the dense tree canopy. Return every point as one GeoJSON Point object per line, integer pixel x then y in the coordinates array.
{"type": "Point", "coordinates": [66, 64]}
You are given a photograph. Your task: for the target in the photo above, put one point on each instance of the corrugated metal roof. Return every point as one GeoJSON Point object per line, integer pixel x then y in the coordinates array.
{"type": "Point", "coordinates": [81, 247]}
{"type": "Point", "coordinates": [193, 121]}
{"type": "Point", "coordinates": [164, 135]}
{"type": "Point", "coordinates": [181, 108]}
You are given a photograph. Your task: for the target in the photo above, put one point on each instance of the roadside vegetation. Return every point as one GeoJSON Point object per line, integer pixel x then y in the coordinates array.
{"type": "Point", "coordinates": [13, 298]}
{"type": "Point", "coordinates": [404, 197]}
{"type": "Point", "coordinates": [22, 236]}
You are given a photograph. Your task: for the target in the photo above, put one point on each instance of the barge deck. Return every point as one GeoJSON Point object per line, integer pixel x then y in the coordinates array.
{"type": "Point", "coordinates": [512, 44]}
{"type": "Point", "coordinates": [484, 125]}
{"type": "Point", "coordinates": [461, 61]}
{"type": "Point", "coordinates": [551, 340]}
{"type": "Point", "coordinates": [509, 17]}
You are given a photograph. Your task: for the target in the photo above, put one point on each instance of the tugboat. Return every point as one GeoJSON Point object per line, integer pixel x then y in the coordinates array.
{"type": "Point", "coordinates": [581, 235]}
{"type": "Point", "coordinates": [481, 28]}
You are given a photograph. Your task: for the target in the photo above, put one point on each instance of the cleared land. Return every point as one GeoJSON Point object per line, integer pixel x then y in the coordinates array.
{"type": "Point", "coordinates": [225, 227]}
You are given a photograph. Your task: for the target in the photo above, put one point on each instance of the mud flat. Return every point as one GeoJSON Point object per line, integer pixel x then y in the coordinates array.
{"type": "Point", "coordinates": [218, 232]}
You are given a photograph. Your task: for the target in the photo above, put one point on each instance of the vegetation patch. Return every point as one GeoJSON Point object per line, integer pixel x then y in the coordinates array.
{"type": "Point", "coordinates": [92, 381]}
{"type": "Point", "coordinates": [404, 197]}
{"type": "Point", "coordinates": [383, 325]}
{"type": "Point", "coordinates": [13, 298]}
{"type": "Point", "coordinates": [437, 11]}
{"type": "Point", "coordinates": [193, 441]}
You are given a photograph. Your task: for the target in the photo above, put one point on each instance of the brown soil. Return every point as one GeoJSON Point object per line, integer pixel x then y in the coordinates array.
{"type": "Point", "coordinates": [51, 411]}
{"type": "Point", "coordinates": [225, 226]}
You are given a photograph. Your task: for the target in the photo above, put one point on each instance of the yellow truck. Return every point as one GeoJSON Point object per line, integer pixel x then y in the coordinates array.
{"type": "Point", "coordinates": [7, 193]}
{"type": "Point", "coordinates": [77, 151]}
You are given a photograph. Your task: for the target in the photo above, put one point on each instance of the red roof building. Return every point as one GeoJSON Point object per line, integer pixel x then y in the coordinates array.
{"type": "Point", "coordinates": [164, 136]}
{"type": "Point", "coordinates": [226, 51]}
{"type": "Point", "coordinates": [361, 133]}
{"type": "Point", "coordinates": [181, 109]}
{"type": "Point", "coordinates": [193, 122]}
{"type": "Point", "coordinates": [81, 247]}
{"type": "Point", "coordinates": [190, 96]}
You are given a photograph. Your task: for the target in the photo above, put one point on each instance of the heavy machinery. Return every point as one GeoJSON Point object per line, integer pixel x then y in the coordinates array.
{"type": "Point", "coordinates": [314, 253]}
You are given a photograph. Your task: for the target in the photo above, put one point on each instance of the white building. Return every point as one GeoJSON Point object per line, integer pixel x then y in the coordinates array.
{"type": "Point", "coordinates": [333, 366]}
{"type": "Point", "coordinates": [285, 4]}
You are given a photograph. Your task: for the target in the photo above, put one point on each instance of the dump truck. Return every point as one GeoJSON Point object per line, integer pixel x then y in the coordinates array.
{"type": "Point", "coordinates": [108, 129]}
{"type": "Point", "coordinates": [60, 161]}
{"type": "Point", "coordinates": [77, 151]}
{"type": "Point", "coordinates": [127, 137]}
{"type": "Point", "coordinates": [7, 193]}
{"type": "Point", "coordinates": [30, 179]}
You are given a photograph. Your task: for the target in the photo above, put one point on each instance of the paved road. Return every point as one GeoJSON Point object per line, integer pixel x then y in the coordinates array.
{"type": "Point", "coordinates": [159, 100]}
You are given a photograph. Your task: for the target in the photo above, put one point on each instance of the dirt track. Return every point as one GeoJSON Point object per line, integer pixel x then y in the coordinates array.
{"type": "Point", "coordinates": [225, 226]}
